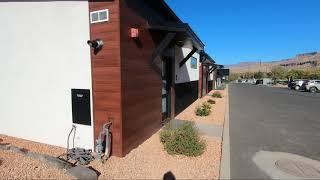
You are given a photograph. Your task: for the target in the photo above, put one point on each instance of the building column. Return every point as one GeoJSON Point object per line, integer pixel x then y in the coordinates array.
{"type": "Point", "coordinates": [173, 83]}
{"type": "Point", "coordinates": [200, 81]}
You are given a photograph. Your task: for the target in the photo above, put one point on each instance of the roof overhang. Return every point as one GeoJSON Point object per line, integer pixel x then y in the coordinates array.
{"type": "Point", "coordinates": [162, 6]}
{"type": "Point", "coordinates": [207, 60]}
{"type": "Point", "coordinates": [185, 36]}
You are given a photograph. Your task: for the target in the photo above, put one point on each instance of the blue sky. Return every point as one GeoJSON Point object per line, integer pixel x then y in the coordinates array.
{"type": "Point", "coordinates": [252, 30]}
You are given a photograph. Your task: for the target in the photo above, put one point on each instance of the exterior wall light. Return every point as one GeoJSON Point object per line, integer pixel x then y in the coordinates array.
{"type": "Point", "coordinates": [96, 44]}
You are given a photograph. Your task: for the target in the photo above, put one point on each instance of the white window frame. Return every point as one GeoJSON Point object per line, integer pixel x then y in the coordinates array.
{"type": "Point", "coordinates": [196, 62]}
{"type": "Point", "coordinates": [99, 21]}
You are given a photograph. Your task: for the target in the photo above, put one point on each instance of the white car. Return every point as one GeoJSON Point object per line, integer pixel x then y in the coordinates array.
{"type": "Point", "coordinates": [300, 84]}
{"type": "Point", "coordinates": [313, 86]}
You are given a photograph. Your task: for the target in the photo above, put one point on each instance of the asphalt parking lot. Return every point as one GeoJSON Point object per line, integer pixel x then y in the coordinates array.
{"type": "Point", "coordinates": [271, 119]}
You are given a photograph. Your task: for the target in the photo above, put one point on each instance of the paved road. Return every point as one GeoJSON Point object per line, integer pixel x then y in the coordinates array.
{"type": "Point", "coordinates": [271, 119]}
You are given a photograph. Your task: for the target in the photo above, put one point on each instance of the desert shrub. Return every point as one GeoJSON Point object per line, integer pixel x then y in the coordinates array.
{"type": "Point", "coordinates": [184, 140]}
{"type": "Point", "coordinates": [203, 110]}
{"type": "Point", "coordinates": [211, 101]}
{"type": "Point", "coordinates": [217, 95]}
{"type": "Point", "coordinates": [206, 106]}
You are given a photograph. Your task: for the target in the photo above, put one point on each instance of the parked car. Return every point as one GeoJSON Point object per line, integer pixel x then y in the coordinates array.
{"type": "Point", "coordinates": [313, 86]}
{"type": "Point", "coordinates": [291, 84]}
{"type": "Point", "coordinates": [300, 84]}
{"type": "Point", "coordinates": [259, 82]}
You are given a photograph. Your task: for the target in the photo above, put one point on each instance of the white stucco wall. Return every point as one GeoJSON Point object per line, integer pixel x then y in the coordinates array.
{"type": "Point", "coordinates": [186, 73]}
{"type": "Point", "coordinates": [211, 76]}
{"type": "Point", "coordinates": [43, 56]}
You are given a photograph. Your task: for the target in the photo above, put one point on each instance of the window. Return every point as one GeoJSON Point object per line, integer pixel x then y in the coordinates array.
{"type": "Point", "coordinates": [99, 16]}
{"type": "Point", "coordinates": [193, 63]}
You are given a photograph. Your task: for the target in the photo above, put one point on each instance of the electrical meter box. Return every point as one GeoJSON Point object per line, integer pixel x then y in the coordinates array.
{"type": "Point", "coordinates": [81, 109]}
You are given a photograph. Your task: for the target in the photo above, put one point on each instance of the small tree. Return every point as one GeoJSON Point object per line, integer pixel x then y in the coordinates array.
{"type": "Point", "coordinates": [295, 74]}
{"type": "Point", "coordinates": [278, 73]}
{"type": "Point", "coordinates": [259, 75]}
{"type": "Point", "coordinates": [249, 75]}
{"type": "Point", "coordinates": [234, 76]}
{"type": "Point", "coordinates": [317, 73]}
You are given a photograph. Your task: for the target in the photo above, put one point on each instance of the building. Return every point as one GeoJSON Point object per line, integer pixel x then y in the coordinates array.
{"type": "Point", "coordinates": [141, 58]}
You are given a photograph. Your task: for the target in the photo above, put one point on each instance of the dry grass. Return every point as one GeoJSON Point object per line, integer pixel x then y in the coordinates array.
{"type": "Point", "coordinates": [217, 111]}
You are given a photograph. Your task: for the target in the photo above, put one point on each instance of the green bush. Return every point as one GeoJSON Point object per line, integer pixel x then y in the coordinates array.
{"type": "Point", "coordinates": [206, 106]}
{"type": "Point", "coordinates": [203, 110]}
{"type": "Point", "coordinates": [211, 101]}
{"type": "Point", "coordinates": [184, 140]}
{"type": "Point", "coordinates": [217, 95]}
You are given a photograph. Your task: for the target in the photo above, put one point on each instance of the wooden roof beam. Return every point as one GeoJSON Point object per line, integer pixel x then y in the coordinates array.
{"type": "Point", "coordinates": [160, 48]}
{"type": "Point", "coordinates": [194, 50]}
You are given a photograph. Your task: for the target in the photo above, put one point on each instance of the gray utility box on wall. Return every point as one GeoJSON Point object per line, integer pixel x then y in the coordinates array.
{"type": "Point", "coordinates": [81, 109]}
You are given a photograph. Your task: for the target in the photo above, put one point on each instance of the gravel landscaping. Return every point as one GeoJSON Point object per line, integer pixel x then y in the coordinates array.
{"type": "Point", "coordinates": [18, 166]}
{"type": "Point", "coordinates": [33, 146]}
{"type": "Point", "coordinates": [217, 111]}
{"type": "Point", "coordinates": [148, 161]}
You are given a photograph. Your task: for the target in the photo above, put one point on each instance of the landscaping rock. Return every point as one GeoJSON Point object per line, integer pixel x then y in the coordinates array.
{"type": "Point", "coordinates": [18, 150]}
{"type": "Point", "coordinates": [1, 162]}
{"type": "Point", "coordinates": [82, 172]}
{"type": "Point", "coordinates": [19, 166]}
{"type": "Point", "coordinates": [56, 162]}
{"type": "Point", "coordinates": [4, 147]}
{"type": "Point", "coordinates": [35, 155]}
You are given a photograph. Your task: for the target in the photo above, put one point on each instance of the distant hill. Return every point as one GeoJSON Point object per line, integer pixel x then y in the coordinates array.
{"type": "Point", "coordinates": [301, 61]}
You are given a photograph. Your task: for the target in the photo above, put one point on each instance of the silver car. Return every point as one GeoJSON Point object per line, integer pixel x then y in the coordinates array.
{"type": "Point", "coordinates": [313, 86]}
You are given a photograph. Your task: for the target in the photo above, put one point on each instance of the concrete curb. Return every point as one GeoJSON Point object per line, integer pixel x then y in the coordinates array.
{"type": "Point", "coordinates": [225, 158]}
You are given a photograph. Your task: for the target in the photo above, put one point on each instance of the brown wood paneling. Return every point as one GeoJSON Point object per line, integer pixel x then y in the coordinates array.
{"type": "Point", "coordinates": [106, 73]}
{"type": "Point", "coordinates": [200, 81]}
{"type": "Point", "coordinates": [142, 110]}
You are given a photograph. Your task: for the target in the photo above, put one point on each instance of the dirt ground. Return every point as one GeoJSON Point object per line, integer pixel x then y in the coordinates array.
{"type": "Point", "coordinates": [217, 111]}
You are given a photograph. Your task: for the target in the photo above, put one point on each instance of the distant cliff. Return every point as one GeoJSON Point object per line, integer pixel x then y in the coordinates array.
{"type": "Point", "coordinates": [301, 61]}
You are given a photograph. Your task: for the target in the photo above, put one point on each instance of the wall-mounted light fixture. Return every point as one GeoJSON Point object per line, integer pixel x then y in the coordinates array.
{"type": "Point", "coordinates": [96, 44]}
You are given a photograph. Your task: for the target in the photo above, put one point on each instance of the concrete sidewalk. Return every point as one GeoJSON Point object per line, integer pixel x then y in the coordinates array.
{"type": "Point", "coordinates": [208, 129]}
{"type": "Point", "coordinates": [225, 158]}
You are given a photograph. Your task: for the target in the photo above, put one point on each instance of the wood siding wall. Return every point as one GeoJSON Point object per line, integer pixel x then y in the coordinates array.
{"type": "Point", "coordinates": [106, 73]}
{"type": "Point", "coordinates": [126, 88]}
{"type": "Point", "coordinates": [142, 110]}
